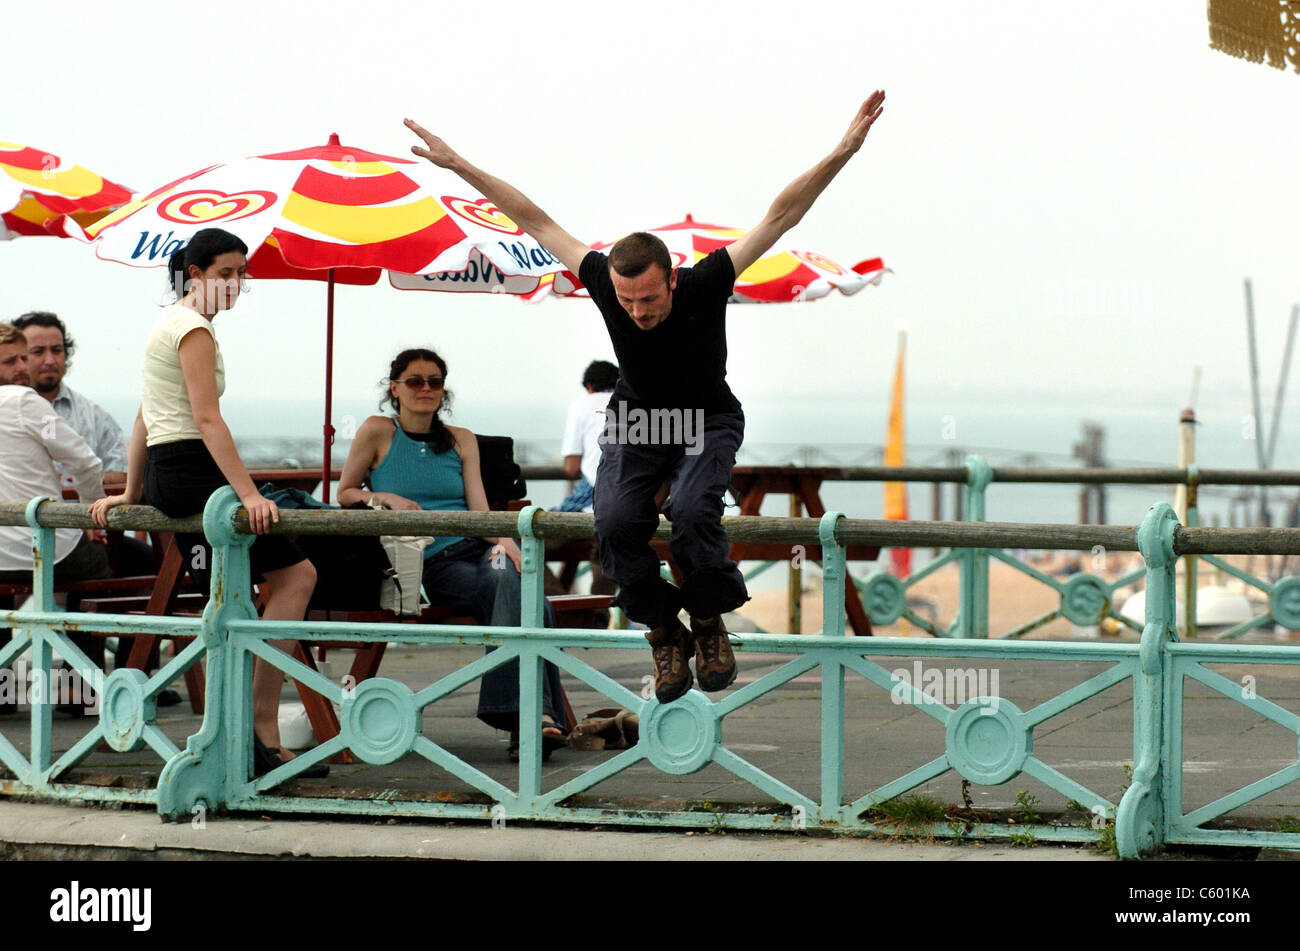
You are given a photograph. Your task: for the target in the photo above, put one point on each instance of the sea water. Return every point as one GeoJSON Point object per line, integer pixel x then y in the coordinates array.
{"type": "Point", "coordinates": [1032, 433]}
{"type": "Point", "coordinates": [1035, 432]}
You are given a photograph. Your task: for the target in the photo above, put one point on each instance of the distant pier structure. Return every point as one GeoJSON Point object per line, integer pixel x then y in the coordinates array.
{"type": "Point", "coordinates": [1091, 451]}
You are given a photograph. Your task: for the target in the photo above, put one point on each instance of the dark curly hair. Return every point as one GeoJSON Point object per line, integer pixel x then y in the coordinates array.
{"type": "Point", "coordinates": [43, 318]}
{"type": "Point", "coordinates": [442, 437]}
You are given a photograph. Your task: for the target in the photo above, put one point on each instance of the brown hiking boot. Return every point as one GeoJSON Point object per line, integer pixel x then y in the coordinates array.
{"type": "Point", "coordinates": [715, 664]}
{"type": "Point", "coordinates": [671, 648]}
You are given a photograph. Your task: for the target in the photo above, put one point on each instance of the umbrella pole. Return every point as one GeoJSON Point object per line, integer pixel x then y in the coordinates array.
{"type": "Point", "coordinates": [329, 387]}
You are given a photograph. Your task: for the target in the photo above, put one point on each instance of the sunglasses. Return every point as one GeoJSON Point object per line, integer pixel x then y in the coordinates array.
{"type": "Point", "coordinates": [417, 382]}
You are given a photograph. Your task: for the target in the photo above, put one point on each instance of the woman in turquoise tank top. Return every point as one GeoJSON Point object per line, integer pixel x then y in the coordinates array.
{"type": "Point", "coordinates": [416, 461]}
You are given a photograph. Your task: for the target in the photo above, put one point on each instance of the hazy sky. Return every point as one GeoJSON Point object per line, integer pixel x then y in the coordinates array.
{"type": "Point", "coordinates": [1069, 195]}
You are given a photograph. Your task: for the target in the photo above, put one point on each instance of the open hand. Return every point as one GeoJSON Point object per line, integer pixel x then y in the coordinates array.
{"type": "Point", "coordinates": [262, 513]}
{"type": "Point", "coordinates": [99, 508]}
{"type": "Point", "coordinates": [436, 150]}
{"type": "Point", "coordinates": [862, 122]}
{"type": "Point", "coordinates": [397, 503]}
{"type": "Point", "coordinates": [508, 548]}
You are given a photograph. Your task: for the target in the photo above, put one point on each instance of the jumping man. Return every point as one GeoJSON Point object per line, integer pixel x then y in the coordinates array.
{"type": "Point", "coordinates": [667, 325]}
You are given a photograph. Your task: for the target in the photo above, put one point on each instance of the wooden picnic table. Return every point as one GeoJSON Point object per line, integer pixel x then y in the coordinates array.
{"type": "Point", "coordinates": [165, 597]}
{"type": "Point", "coordinates": [750, 485]}
{"type": "Point", "coordinates": [161, 593]}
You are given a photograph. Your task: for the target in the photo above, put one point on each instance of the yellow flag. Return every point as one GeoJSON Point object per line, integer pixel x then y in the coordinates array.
{"type": "Point", "coordinates": [896, 492]}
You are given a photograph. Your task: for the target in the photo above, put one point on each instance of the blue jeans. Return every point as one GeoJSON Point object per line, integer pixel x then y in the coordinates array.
{"type": "Point", "coordinates": [463, 574]}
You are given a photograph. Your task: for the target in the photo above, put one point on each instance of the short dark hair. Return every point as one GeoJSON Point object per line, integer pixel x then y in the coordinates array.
{"type": "Point", "coordinates": [600, 375]}
{"type": "Point", "coordinates": [631, 256]}
{"type": "Point", "coordinates": [202, 249]}
{"type": "Point", "coordinates": [44, 318]}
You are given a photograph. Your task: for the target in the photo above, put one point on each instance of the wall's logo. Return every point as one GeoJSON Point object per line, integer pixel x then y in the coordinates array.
{"type": "Point", "coordinates": [482, 213]}
{"type": "Point", "coordinates": [203, 206]}
{"type": "Point", "coordinates": [814, 259]}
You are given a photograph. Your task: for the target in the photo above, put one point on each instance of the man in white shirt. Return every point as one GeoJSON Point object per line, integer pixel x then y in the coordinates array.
{"type": "Point", "coordinates": [582, 429]}
{"type": "Point", "coordinates": [32, 438]}
{"type": "Point", "coordinates": [49, 354]}
{"type": "Point", "coordinates": [581, 450]}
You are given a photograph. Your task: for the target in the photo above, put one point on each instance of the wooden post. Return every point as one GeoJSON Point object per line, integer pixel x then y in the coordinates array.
{"type": "Point", "coordinates": [794, 613]}
{"type": "Point", "coordinates": [1185, 508]}
{"type": "Point", "coordinates": [1092, 498]}
{"type": "Point", "coordinates": [958, 489]}
{"type": "Point", "coordinates": [936, 506]}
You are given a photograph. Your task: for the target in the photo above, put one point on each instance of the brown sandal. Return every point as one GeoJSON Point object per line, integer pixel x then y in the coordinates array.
{"type": "Point", "coordinates": [608, 729]}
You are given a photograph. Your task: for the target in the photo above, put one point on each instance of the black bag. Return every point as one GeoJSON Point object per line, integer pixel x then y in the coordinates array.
{"type": "Point", "coordinates": [349, 569]}
{"type": "Point", "coordinates": [502, 478]}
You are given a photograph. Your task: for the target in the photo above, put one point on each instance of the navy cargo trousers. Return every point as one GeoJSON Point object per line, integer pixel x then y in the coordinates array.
{"type": "Point", "coordinates": [632, 469]}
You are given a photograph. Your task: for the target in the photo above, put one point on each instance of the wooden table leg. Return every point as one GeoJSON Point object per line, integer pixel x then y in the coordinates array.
{"type": "Point", "coordinates": [320, 712]}
{"type": "Point", "coordinates": [171, 570]}
{"type": "Point", "coordinates": [809, 491]}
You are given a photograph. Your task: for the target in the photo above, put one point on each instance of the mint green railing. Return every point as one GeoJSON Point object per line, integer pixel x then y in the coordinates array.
{"type": "Point", "coordinates": [1085, 599]}
{"type": "Point", "coordinates": [987, 740]}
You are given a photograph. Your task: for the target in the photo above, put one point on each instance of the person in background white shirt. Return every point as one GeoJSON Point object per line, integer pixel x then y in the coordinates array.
{"type": "Point", "coordinates": [581, 451]}
{"type": "Point", "coordinates": [32, 438]}
{"type": "Point", "coordinates": [582, 429]}
{"type": "Point", "coordinates": [49, 356]}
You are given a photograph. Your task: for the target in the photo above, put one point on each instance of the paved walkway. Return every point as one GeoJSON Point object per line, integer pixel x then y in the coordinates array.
{"type": "Point", "coordinates": [59, 831]}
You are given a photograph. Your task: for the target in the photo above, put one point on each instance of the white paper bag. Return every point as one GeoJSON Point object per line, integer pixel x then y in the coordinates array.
{"type": "Point", "coordinates": [400, 591]}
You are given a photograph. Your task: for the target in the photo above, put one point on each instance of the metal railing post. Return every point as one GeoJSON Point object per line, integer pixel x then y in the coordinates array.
{"type": "Point", "coordinates": [530, 668]}
{"type": "Point", "coordinates": [215, 764]}
{"type": "Point", "coordinates": [1140, 818]}
{"type": "Point", "coordinates": [973, 611]}
{"type": "Point", "coordinates": [834, 569]}
{"type": "Point", "coordinates": [42, 654]}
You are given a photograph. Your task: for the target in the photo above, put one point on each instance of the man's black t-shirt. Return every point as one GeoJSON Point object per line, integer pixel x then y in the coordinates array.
{"type": "Point", "coordinates": [681, 362]}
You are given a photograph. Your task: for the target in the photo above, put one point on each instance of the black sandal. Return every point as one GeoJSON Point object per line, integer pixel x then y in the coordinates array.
{"type": "Point", "coordinates": [550, 742]}
{"type": "Point", "coordinates": [267, 758]}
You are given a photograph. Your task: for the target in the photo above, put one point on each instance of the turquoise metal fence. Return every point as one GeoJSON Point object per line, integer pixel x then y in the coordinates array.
{"type": "Point", "coordinates": [1086, 599]}
{"type": "Point", "coordinates": [987, 739]}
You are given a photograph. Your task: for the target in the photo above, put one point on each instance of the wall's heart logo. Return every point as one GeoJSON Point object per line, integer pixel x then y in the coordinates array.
{"type": "Point", "coordinates": [203, 206]}
{"type": "Point", "coordinates": [816, 260]}
{"type": "Point", "coordinates": [482, 212]}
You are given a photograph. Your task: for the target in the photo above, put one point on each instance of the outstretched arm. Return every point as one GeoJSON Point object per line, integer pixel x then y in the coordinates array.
{"type": "Point", "coordinates": [509, 199]}
{"type": "Point", "coordinates": [800, 194]}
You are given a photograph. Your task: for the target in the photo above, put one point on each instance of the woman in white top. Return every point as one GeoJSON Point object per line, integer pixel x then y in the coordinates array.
{"type": "Point", "coordinates": [181, 451]}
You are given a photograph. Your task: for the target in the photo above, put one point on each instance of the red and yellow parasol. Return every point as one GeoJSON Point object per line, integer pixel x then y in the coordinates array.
{"type": "Point", "coordinates": [330, 213]}
{"type": "Point", "coordinates": [36, 185]}
{"type": "Point", "coordinates": [782, 276]}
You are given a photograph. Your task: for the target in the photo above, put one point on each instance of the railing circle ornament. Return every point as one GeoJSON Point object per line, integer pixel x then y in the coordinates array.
{"type": "Point", "coordinates": [988, 741]}
{"type": "Point", "coordinates": [885, 598]}
{"type": "Point", "coordinates": [1284, 603]}
{"type": "Point", "coordinates": [681, 736]}
{"type": "Point", "coordinates": [1085, 600]}
{"type": "Point", "coordinates": [124, 711]}
{"type": "Point", "coordinates": [378, 720]}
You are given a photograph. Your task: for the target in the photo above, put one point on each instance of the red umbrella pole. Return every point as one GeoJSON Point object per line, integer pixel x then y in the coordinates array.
{"type": "Point", "coordinates": [329, 388]}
